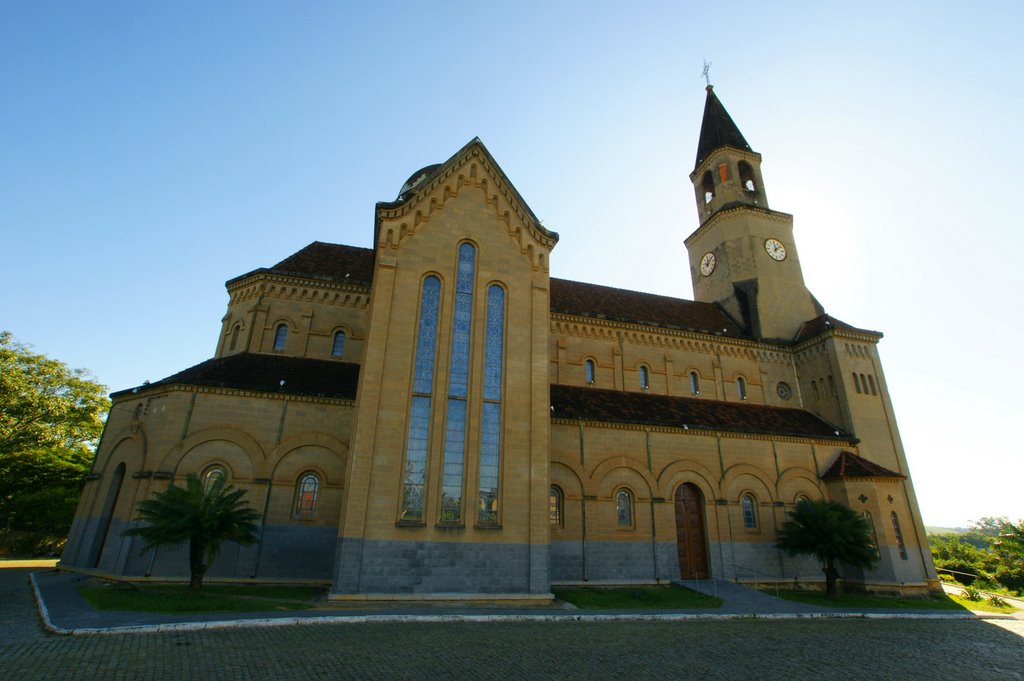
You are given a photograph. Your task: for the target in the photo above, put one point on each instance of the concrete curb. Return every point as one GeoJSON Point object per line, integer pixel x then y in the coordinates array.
{"type": "Point", "coordinates": [439, 619]}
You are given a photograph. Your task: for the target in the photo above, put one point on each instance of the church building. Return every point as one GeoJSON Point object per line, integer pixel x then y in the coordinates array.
{"type": "Point", "coordinates": [437, 417]}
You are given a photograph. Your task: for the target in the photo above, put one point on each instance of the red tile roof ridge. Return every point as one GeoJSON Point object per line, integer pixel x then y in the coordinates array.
{"type": "Point", "coordinates": [848, 465]}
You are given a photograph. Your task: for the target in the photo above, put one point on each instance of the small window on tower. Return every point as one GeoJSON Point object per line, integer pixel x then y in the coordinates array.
{"type": "Point", "coordinates": [694, 383]}
{"type": "Point", "coordinates": [747, 177]}
{"type": "Point", "coordinates": [741, 387]}
{"type": "Point", "coordinates": [707, 184]}
{"type": "Point", "coordinates": [589, 370]}
{"type": "Point", "coordinates": [338, 348]}
{"type": "Point", "coordinates": [645, 382]}
{"type": "Point", "coordinates": [280, 336]}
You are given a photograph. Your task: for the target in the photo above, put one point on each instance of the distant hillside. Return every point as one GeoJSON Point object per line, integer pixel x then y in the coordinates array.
{"type": "Point", "coordinates": [930, 529]}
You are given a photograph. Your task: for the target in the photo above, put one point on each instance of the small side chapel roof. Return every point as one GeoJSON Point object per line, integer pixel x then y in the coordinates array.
{"type": "Point", "coordinates": [605, 302]}
{"type": "Point", "coordinates": [320, 260]}
{"type": "Point", "coordinates": [848, 465]}
{"type": "Point", "coordinates": [265, 373]}
{"type": "Point", "coordinates": [825, 322]}
{"type": "Point", "coordinates": [717, 129]}
{"type": "Point", "coordinates": [617, 406]}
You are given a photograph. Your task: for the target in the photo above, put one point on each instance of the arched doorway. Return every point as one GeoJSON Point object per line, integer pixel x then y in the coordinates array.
{"type": "Point", "coordinates": [693, 551]}
{"type": "Point", "coordinates": [103, 527]}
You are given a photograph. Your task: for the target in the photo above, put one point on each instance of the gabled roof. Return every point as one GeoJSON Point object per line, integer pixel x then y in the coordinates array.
{"type": "Point", "coordinates": [605, 302]}
{"type": "Point", "coordinates": [717, 129]}
{"type": "Point", "coordinates": [422, 178]}
{"type": "Point", "coordinates": [319, 260]}
{"type": "Point", "coordinates": [850, 466]}
{"type": "Point", "coordinates": [825, 322]}
{"type": "Point", "coordinates": [264, 373]}
{"type": "Point", "coordinates": [616, 406]}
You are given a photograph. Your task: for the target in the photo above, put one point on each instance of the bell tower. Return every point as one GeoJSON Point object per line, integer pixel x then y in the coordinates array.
{"type": "Point", "coordinates": [743, 256]}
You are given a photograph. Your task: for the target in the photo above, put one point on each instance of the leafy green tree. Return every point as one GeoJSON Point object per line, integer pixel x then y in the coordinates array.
{"type": "Point", "coordinates": [51, 417]}
{"type": "Point", "coordinates": [833, 534]}
{"type": "Point", "coordinates": [204, 516]}
{"type": "Point", "coordinates": [1009, 546]}
{"type": "Point", "coordinates": [46, 405]}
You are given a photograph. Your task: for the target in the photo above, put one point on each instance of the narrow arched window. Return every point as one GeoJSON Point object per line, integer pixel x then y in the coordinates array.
{"type": "Point", "coordinates": [871, 379]}
{"type": "Point", "coordinates": [555, 499]}
{"type": "Point", "coordinates": [747, 176]}
{"type": "Point", "coordinates": [871, 529]}
{"type": "Point", "coordinates": [589, 370]}
{"type": "Point", "coordinates": [694, 383]}
{"type": "Point", "coordinates": [749, 511]}
{"type": "Point", "coordinates": [490, 426]}
{"type": "Point", "coordinates": [418, 436]}
{"type": "Point", "coordinates": [831, 387]}
{"type": "Point", "coordinates": [707, 185]}
{"type": "Point", "coordinates": [814, 389]}
{"type": "Point", "coordinates": [306, 495]}
{"type": "Point", "coordinates": [234, 337]}
{"type": "Point", "coordinates": [645, 382]}
{"type": "Point", "coordinates": [624, 508]}
{"type": "Point", "coordinates": [899, 536]}
{"type": "Point", "coordinates": [338, 347]}
{"type": "Point", "coordinates": [453, 467]}
{"type": "Point", "coordinates": [856, 382]}
{"type": "Point", "coordinates": [212, 474]}
{"type": "Point", "coordinates": [280, 336]}
{"type": "Point", "coordinates": [741, 387]}
{"type": "Point", "coordinates": [864, 383]}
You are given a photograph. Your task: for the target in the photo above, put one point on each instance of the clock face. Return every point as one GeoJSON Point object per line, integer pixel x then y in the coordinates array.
{"type": "Point", "coordinates": [707, 264]}
{"type": "Point", "coordinates": [775, 249]}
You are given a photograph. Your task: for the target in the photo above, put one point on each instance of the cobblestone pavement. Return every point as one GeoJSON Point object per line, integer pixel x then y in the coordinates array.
{"type": "Point", "coordinates": [790, 649]}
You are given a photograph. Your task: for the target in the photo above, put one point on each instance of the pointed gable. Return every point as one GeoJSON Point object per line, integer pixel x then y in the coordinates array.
{"type": "Point", "coordinates": [422, 183]}
{"type": "Point", "coordinates": [717, 129]}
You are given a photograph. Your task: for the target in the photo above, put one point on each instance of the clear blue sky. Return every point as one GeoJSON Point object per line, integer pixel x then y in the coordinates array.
{"type": "Point", "coordinates": [151, 151]}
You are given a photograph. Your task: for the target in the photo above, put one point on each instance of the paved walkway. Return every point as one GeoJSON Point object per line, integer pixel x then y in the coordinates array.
{"type": "Point", "coordinates": [65, 611]}
{"type": "Point", "coordinates": [794, 648]}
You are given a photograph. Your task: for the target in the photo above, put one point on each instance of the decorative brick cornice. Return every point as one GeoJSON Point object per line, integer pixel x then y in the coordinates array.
{"type": "Point", "coordinates": [719, 215]}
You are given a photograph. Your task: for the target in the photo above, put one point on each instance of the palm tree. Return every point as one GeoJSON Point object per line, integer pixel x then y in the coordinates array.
{"type": "Point", "coordinates": [833, 534]}
{"type": "Point", "coordinates": [204, 517]}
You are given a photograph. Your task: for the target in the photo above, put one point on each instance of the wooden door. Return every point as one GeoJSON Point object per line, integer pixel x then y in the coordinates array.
{"type": "Point", "coordinates": [693, 553]}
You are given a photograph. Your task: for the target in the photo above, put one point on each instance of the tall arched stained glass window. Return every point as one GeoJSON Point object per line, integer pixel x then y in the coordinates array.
{"type": "Point", "coordinates": [490, 431]}
{"type": "Point", "coordinates": [458, 381]}
{"type": "Point", "coordinates": [419, 413]}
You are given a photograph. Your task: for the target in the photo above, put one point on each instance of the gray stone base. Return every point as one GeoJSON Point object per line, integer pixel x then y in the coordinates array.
{"type": "Point", "coordinates": [414, 567]}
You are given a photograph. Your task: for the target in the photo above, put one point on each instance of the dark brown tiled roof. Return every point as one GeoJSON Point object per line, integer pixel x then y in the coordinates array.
{"type": "Point", "coordinates": [717, 129]}
{"type": "Point", "coordinates": [615, 406]}
{"type": "Point", "coordinates": [320, 260]}
{"type": "Point", "coordinates": [821, 324]}
{"type": "Point", "coordinates": [849, 465]}
{"type": "Point", "coordinates": [330, 261]}
{"type": "Point", "coordinates": [264, 373]}
{"type": "Point", "coordinates": [591, 300]}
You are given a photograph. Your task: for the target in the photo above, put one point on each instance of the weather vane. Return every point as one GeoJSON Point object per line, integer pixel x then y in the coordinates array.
{"type": "Point", "coordinates": [707, 67]}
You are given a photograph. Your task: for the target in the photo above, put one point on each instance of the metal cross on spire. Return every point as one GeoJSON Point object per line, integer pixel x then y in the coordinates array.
{"type": "Point", "coordinates": [707, 68]}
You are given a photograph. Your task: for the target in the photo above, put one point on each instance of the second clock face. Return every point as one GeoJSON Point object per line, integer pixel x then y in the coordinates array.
{"type": "Point", "coordinates": [775, 249]}
{"type": "Point", "coordinates": [707, 264]}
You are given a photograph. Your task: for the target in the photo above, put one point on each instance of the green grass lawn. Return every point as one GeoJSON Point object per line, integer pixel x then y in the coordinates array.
{"type": "Point", "coordinates": [215, 598]}
{"type": "Point", "coordinates": [984, 606]}
{"type": "Point", "coordinates": [636, 598]}
{"type": "Point", "coordinates": [871, 601]}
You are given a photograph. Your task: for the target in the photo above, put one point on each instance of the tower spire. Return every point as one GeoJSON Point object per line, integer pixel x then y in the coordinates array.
{"type": "Point", "coordinates": [717, 129]}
